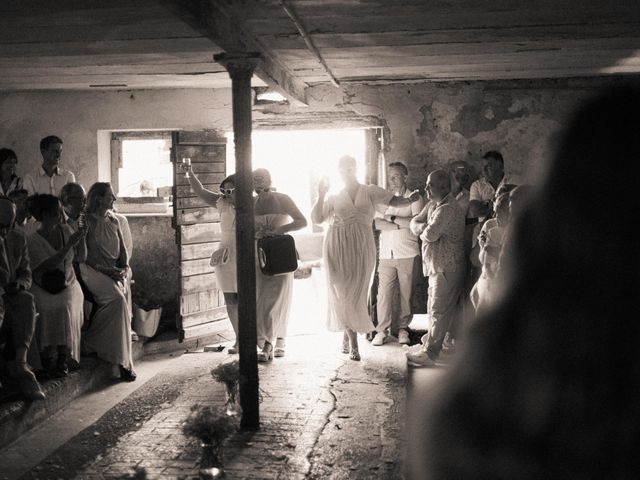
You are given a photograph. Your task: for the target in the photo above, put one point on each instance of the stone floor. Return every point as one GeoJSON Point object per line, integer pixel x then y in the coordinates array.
{"type": "Point", "coordinates": [322, 416]}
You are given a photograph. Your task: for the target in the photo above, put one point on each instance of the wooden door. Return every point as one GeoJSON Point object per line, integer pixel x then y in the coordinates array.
{"type": "Point", "coordinates": [202, 309]}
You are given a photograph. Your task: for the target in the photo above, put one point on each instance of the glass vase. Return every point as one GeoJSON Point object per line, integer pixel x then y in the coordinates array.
{"type": "Point", "coordinates": [231, 402]}
{"type": "Point", "coordinates": [211, 462]}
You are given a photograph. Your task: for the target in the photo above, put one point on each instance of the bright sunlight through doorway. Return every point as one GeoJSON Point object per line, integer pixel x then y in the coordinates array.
{"type": "Point", "coordinates": [297, 160]}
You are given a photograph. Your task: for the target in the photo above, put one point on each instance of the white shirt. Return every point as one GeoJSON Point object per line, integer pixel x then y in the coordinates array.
{"type": "Point", "coordinates": [463, 199]}
{"type": "Point", "coordinates": [16, 184]}
{"type": "Point", "coordinates": [483, 191]}
{"type": "Point", "coordinates": [401, 243]}
{"type": "Point", "coordinates": [40, 182]}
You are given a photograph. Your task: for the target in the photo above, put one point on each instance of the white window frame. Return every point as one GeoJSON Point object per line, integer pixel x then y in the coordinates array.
{"type": "Point", "coordinates": [161, 205]}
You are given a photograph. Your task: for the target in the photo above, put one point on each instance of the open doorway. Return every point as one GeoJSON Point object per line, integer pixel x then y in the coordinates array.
{"type": "Point", "coordinates": [297, 160]}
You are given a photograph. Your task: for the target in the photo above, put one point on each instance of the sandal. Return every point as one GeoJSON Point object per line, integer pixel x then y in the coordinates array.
{"type": "Point", "coordinates": [266, 355]}
{"type": "Point", "coordinates": [127, 375]}
{"type": "Point", "coordinates": [279, 350]}
{"type": "Point", "coordinates": [354, 355]}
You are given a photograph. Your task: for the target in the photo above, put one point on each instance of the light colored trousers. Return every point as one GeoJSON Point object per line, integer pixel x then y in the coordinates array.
{"type": "Point", "coordinates": [443, 306]}
{"type": "Point", "coordinates": [394, 273]}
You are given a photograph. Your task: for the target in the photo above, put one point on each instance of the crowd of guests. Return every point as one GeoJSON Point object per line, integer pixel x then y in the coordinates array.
{"type": "Point", "coordinates": [64, 273]}
{"type": "Point", "coordinates": [454, 238]}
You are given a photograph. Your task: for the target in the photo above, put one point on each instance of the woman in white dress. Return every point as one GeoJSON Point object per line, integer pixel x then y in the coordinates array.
{"type": "Point", "coordinates": [349, 250]}
{"type": "Point", "coordinates": [105, 273]}
{"type": "Point", "coordinates": [275, 214]}
{"type": "Point", "coordinates": [59, 304]}
{"type": "Point", "coordinates": [226, 276]}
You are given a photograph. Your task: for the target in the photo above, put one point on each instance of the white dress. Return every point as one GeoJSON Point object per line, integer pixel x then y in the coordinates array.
{"type": "Point", "coordinates": [226, 275]}
{"type": "Point", "coordinates": [60, 315]}
{"type": "Point", "coordinates": [350, 256]}
{"type": "Point", "coordinates": [109, 332]}
{"type": "Point", "coordinates": [273, 293]}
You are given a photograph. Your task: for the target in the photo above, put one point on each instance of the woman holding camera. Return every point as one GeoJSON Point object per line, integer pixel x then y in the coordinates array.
{"type": "Point", "coordinates": [59, 300]}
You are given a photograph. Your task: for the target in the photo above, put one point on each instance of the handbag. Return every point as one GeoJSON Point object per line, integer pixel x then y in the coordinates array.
{"type": "Point", "coordinates": [219, 257]}
{"type": "Point", "coordinates": [277, 255]}
{"type": "Point", "coordinates": [54, 281]}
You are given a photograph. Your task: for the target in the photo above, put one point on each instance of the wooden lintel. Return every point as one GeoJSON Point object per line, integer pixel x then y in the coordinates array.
{"type": "Point", "coordinates": [215, 20]}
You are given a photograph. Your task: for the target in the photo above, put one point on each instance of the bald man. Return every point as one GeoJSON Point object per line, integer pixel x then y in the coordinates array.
{"type": "Point", "coordinates": [17, 305]}
{"type": "Point", "coordinates": [441, 228]}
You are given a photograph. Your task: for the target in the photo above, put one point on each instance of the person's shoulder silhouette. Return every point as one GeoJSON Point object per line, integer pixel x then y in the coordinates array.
{"type": "Point", "coordinates": [547, 384]}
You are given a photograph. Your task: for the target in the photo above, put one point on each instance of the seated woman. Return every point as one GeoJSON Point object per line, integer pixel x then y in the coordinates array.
{"type": "Point", "coordinates": [275, 214]}
{"type": "Point", "coordinates": [58, 295]}
{"type": "Point", "coordinates": [104, 273]}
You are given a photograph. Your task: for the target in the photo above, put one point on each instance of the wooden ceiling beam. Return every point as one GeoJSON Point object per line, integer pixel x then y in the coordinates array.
{"type": "Point", "coordinates": [216, 20]}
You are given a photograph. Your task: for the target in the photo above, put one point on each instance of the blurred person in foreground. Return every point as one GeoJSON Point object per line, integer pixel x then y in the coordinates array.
{"type": "Point", "coordinates": [548, 382]}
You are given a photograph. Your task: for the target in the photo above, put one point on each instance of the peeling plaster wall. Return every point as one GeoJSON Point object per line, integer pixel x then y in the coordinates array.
{"type": "Point", "coordinates": [76, 117]}
{"type": "Point", "coordinates": [430, 125]}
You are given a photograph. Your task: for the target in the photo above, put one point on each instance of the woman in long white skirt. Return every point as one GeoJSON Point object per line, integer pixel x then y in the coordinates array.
{"type": "Point", "coordinates": [53, 247]}
{"type": "Point", "coordinates": [349, 250]}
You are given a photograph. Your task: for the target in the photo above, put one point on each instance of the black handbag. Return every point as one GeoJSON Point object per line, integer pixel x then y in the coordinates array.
{"type": "Point", "coordinates": [53, 281]}
{"type": "Point", "coordinates": [277, 255]}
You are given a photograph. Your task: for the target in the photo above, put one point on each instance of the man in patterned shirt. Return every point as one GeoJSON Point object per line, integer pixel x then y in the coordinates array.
{"type": "Point", "coordinates": [441, 229]}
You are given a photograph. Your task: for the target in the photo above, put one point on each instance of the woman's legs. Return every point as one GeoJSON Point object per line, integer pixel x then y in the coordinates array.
{"type": "Point", "coordinates": [353, 340]}
{"type": "Point", "coordinates": [231, 300]}
{"type": "Point", "coordinates": [345, 342]}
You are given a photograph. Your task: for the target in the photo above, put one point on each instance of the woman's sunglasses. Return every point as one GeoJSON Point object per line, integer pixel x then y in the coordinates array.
{"type": "Point", "coordinates": [227, 191]}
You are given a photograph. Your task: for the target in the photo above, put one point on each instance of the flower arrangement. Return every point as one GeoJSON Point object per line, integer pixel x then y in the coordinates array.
{"type": "Point", "coordinates": [228, 374]}
{"type": "Point", "coordinates": [211, 425]}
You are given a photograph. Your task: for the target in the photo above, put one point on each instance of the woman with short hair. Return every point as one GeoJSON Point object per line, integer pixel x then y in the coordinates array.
{"type": "Point", "coordinates": [58, 296]}
{"type": "Point", "coordinates": [225, 267]}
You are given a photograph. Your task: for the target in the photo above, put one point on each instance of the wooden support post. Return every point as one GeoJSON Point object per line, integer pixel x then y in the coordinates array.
{"type": "Point", "coordinates": [240, 68]}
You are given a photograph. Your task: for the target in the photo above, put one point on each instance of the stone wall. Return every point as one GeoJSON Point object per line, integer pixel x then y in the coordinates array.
{"type": "Point", "coordinates": [79, 118]}
{"type": "Point", "coordinates": [427, 126]}
{"type": "Point", "coordinates": [430, 125]}
{"type": "Point", "coordinates": [154, 262]}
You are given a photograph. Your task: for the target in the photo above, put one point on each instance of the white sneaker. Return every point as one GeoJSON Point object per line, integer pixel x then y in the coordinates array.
{"type": "Point", "coordinates": [403, 337]}
{"type": "Point", "coordinates": [378, 339]}
{"type": "Point", "coordinates": [420, 359]}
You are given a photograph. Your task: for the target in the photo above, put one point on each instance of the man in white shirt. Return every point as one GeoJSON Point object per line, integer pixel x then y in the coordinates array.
{"type": "Point", "coordinates": [483, 190]}
{"type": "Point", "coordinates": [49, 178]}
{"type": "Point", "coordinates": [399, 255]}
